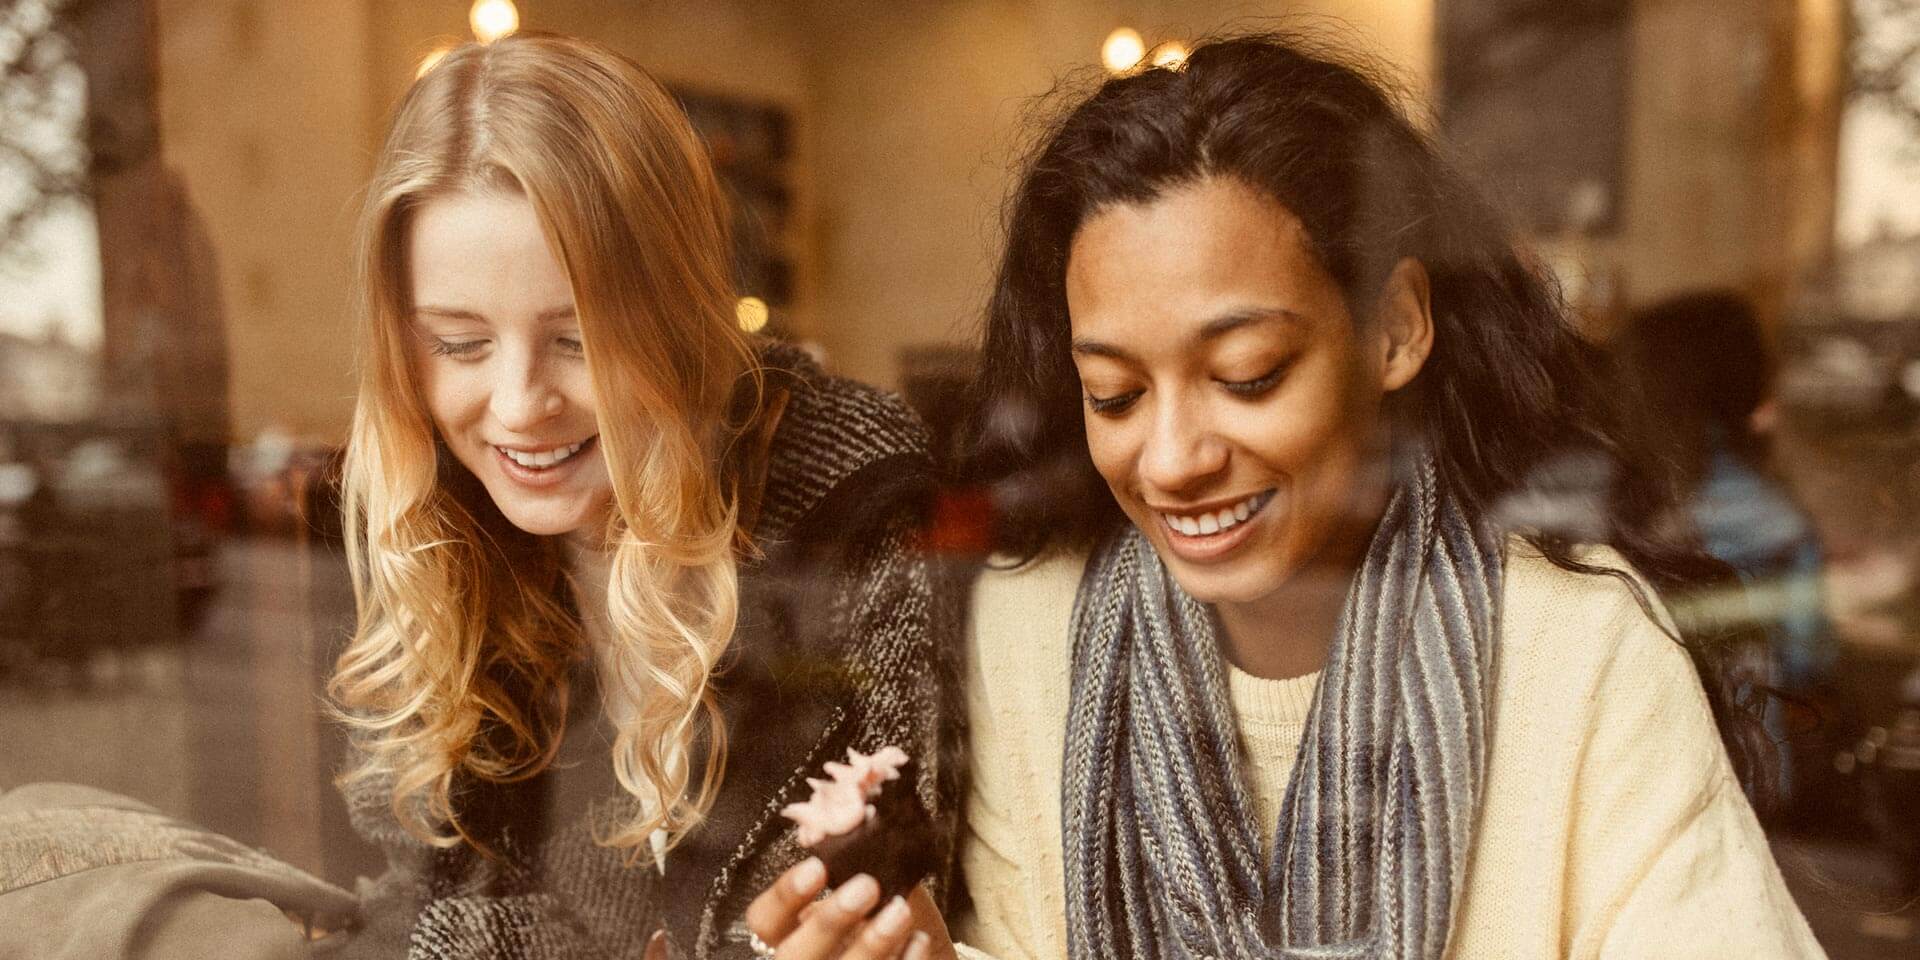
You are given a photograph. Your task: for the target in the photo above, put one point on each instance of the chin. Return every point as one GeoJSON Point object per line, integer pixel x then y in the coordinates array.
{"type": "Point", "coordinates": [542, 526]}
{"type": "Point", "coordinates": [1219, 585]}
{"type": "Point", "coordinates": [548, 519]}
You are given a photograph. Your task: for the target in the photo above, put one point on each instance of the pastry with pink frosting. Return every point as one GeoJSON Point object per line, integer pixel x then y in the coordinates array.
{"type": "Point", "coordinates": [864, 818]}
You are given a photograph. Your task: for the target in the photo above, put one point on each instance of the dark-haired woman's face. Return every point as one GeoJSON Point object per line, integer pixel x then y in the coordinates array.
{"type": "Point", "coordinates": [1232, 403]}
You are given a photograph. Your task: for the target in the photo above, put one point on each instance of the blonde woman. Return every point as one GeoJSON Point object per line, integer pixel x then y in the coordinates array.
{"type": "Point", "coordinates": [624, 577]}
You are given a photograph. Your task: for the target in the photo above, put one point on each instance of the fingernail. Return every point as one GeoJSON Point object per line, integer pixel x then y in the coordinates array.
{"type": "Point", "coordinates": [857, 895]}
{"type": "Point", "coordinates": [919, 945]}
{"type": "Point", "coordinates": [807, 876]}
{"type": "Point", "coordinates": [894, 918]}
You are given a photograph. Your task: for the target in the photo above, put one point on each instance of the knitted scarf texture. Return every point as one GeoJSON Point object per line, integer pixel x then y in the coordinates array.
{"type": "Point", "coordinates": [1163, 856]}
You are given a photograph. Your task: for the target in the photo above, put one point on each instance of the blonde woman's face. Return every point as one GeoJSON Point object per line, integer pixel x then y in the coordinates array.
{"type": "Point", "coordinates": [497, 345]}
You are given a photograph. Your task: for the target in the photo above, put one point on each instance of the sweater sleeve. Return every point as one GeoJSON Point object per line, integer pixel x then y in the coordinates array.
{"type": "Point", "coordinates": [881, 673]}
{"type": "Point", "coordinates": [906, 631]}
{"type": "Point", "coordinates": [999, 840]}
{"type": "Point", "coordinates": [1666, 857]}
{"type": "Point", "coordinates": [1018, 685]}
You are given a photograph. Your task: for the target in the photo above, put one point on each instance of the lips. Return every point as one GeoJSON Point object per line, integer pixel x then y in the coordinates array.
{"type": "Point", "coordinates": [543, 468]}
{"type": "Point", "coordinates": [1213, 522]}
{"type": "Point", "coordinates": [1204, 536]}
{"type": "Point", "coordinates": [544, 459]}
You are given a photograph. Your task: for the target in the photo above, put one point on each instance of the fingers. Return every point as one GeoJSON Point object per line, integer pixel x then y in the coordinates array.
{"type": "Point", "coordinates": [920, 947]}
{"type": "Point", "coordinates": [801, 927]}
{"type": "Point", "coordinates": [885, 935]}
{"type": "Point", "coordinates": [838, 918]}
{"type": "Point", "coordinates": [777, 911]}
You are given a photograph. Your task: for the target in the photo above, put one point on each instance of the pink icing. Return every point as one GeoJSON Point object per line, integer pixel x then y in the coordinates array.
{"type": "Point", "coordinates": [839, 804]}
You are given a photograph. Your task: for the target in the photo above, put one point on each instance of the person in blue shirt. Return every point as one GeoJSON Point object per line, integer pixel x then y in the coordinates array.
{"type": "Point", "coordinates": [1705, 377]}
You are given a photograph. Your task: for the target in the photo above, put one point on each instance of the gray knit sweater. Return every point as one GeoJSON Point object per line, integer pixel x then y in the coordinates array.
{"type": "Point", "coordinates": [836, 647]}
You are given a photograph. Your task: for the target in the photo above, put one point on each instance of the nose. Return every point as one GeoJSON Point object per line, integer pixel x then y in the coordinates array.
{"type": "Point", "coordinates": [1183, 450]}
{"type": "Point", "coordinates": [524, 392]}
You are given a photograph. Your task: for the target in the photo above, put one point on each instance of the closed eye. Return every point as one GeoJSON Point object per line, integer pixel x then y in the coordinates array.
{"type": "Point", "coordinates": [1257, 386]}
{"type": "Point", "coordinates": [442, 347]}
{"type": "Point", "coordinates": [1116, 404]}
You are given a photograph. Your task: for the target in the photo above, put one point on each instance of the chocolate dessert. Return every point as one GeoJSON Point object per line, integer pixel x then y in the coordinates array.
{"type": "Point", "coordinates": [864, 818]}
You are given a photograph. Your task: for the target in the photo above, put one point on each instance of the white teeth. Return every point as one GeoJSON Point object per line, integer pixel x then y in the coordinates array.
{"type": "Point", "coordinates": [1225, 518]}
{"type": "Point", "coordinates": [542, 460]}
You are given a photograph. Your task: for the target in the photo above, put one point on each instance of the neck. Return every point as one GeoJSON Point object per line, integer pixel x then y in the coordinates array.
{"type": "Point", "coordinates": [589, 560]}
{"type": "Point", "coordinates": [1287, 633]}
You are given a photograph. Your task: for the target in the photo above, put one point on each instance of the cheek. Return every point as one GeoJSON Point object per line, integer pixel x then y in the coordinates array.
{"type": "Point", "coordinates": [577, 386]}
{"type": "Point", "coordinates": [1112, 450]}
{"type": "Point", "coordinates": [1314, 431]}
{"type": "Point", "coordinates": [454, 397]}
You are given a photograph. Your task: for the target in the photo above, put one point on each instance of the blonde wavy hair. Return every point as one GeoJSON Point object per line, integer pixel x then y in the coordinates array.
{"type": "Point", "coordinates": [459, 663]}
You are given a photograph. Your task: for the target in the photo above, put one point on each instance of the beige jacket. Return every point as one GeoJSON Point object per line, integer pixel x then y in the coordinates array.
{"type": "Point", "coordinates": [1612, 825]}
{"type": "Point", "coordinates": [90, 875]}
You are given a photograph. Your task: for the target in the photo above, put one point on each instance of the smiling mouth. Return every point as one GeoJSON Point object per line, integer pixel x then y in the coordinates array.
{"type": "Point", "coordinates": [546, 459]}
{"type": "Point", "coordinates": [1216, 522]}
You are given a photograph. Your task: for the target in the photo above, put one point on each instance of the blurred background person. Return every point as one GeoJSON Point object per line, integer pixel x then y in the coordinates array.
{"type": "Point", "coordinates": [1702, 376]}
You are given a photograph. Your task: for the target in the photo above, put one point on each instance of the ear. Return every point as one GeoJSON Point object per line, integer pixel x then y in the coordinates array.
{"type": "Point", "coordinates": [1403, 320]}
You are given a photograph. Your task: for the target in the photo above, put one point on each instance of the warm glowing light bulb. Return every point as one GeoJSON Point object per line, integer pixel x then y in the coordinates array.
{"type": "Point", "coordinates": [431, 60]}
{"type": "Point", "coordinates": [1171, 55]}
{"type": "Point", "coordinates": [493, 19]}
{"type": "Point", "coordinates": [1123, 50]}
{"type": "Point", "coordinates": [752, 312]}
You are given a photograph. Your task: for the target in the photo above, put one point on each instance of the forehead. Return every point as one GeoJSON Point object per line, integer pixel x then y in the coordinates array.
{"type": "Point", "coordinates": [1198, 251]}
{"type": "Point", "coordinates": [481, 248]}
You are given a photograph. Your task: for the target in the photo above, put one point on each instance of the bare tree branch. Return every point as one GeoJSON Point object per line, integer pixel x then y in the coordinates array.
{"type": "Point", "coordinates": [1884, 58]}
{"type": "Point", "coordinates": [49, 160]}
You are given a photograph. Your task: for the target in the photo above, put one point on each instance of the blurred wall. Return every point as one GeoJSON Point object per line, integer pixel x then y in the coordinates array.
{"type": "Point", "coordinates": [272, 112]}
{"type": "Point", "coordinates": [752, 49]}
{"type": "Point", "coordinates": [1732, 114]}
{"type": "Point", "coordinates": [918, 116]}
{"type": "Point", "coordinates": [1733, 110]}
{"type": "Point", "coordinates": [909, 118]}
{"type": "Point", "coordinates": [264, 109]}
{"type": "Point", "coordinates": [1733, 120]}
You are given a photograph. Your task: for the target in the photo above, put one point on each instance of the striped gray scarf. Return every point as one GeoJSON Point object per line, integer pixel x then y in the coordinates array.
{"type": "Point", "coordinates": [1162, 851]}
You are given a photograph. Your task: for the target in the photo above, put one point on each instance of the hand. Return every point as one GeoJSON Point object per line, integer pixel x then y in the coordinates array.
{"type": "Point", "coordinates": [787, 917]}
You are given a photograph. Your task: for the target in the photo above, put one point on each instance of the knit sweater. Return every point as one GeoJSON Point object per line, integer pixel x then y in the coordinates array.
{"type": "Point", "coordinates": [1612, 825]}
{"type": "Point", "coordinates": [838, 645]}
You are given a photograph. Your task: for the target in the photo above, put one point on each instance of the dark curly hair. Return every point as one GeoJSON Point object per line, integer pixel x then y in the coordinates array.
{"type": "Point", "coordinates": [1509, 390]}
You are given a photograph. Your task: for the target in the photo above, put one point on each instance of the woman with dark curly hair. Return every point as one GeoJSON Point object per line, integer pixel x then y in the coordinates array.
{"type": "Point", "coordinates": [1271, 678]}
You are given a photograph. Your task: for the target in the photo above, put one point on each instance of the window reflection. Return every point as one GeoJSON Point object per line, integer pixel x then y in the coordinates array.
{"type": "Point", "coordinates": [174, 181]}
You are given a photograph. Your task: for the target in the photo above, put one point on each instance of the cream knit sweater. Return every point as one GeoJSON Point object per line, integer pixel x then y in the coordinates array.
{"type": "Point", "coordinates": [1612, 826]}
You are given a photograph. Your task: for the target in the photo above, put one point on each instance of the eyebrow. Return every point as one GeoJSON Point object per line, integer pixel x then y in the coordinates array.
{"type": "Point", "coordinates": [451, 313]}
{"type": "Point", "coordinates": [1212, 330]}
